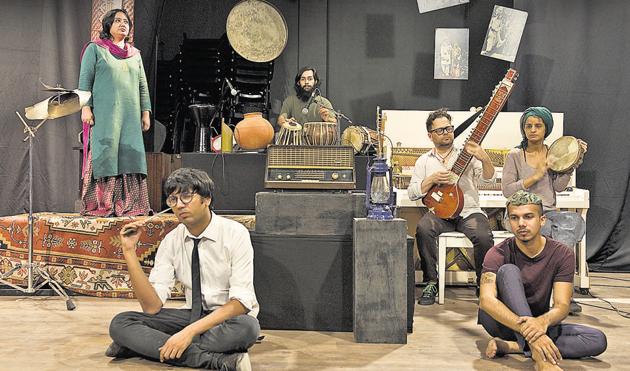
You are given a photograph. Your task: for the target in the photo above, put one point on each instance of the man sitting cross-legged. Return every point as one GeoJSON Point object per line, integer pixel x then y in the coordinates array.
{"type": "Point", "coordinates": [518, 278]}
{"type": "Point", "coordinates": [213, 258]}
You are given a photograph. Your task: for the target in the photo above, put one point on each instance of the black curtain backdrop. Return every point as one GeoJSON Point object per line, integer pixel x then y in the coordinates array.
{"type": "Point", "coordinates": [40, 40]}
{"type": "Point", "coordinates": [369, 52]}
{"type": "Point", "coordinates": [573, 58]}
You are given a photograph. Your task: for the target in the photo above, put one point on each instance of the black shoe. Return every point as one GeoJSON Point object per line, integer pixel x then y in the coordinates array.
{"type": "Point", "coordinates": [428, 294]}
{"type": "Point", "coordinates": [574, 308]}
{"type": "Point", "coordinates": [233, 362]}
{"type": "Point", "coordinates": [116, 351]}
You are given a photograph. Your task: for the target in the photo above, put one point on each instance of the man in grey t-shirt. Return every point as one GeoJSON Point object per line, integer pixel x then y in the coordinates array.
{"type": "Point", "coordinates": [306, 105]}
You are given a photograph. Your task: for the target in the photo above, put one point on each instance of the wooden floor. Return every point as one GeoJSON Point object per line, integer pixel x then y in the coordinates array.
{"type": "Point", "coordinates": [40, 334]}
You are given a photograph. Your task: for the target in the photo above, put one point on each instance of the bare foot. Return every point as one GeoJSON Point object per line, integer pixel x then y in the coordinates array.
{"type": "Point", "coordinates": [546, 366]}
{"type": "Point", "coordinates": [492, 350]}
{"type": "Point", "coordinates": [498, 348]}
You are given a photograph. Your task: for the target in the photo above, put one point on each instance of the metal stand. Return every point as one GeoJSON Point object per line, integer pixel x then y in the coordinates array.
{"type": "Point", "coordinates": [34, 269]}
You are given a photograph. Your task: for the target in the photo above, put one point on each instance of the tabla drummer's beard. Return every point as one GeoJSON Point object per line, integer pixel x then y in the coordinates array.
{"type": "Point", "coordinates": [304, 95]}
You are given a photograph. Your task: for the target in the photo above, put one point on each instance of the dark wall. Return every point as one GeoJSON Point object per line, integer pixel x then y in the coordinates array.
{"type": "Point", "coordinates": [382, 53]}
{"type": "Point", "coordinates": [573, 59]}
{"type": "Point", "coordinates": [367, 52]}
{"type": "Point", "coordinates": [41, 40]}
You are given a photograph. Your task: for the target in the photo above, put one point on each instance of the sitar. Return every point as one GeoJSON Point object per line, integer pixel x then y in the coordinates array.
{"type": "Point", "coordinates": [447, 200]}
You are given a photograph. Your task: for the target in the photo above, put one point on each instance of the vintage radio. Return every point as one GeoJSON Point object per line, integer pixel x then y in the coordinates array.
{"type": "Point", "coordinates": [310, 167]}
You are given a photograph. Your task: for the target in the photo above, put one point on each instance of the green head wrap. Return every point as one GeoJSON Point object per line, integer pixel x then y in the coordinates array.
{"type": "Point", "coordinates": [545, 116]}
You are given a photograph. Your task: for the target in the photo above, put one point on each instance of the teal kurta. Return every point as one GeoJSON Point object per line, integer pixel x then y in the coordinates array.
{"type": "Point", "coordinates": [119, 95]}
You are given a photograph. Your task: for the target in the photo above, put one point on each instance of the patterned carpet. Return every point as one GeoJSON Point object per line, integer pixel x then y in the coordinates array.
{"type": "Point", "coordinates": [82, 253]}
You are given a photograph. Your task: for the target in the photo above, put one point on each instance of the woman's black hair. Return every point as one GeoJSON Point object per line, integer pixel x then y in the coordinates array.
{"type": "Point", "coordinates": [108, 21]}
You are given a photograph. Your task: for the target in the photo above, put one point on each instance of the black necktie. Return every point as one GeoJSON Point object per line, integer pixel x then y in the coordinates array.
{"type": "Point", "coordinates": [195, 313]}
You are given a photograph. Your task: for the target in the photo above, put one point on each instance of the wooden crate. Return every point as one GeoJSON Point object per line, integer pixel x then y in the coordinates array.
{"type": "Point", "coordinates": [159, 166]}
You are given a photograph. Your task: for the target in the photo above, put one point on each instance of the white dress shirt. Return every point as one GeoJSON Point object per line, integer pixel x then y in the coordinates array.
{"type": "Point", "coordinates": [226, 263]}
{"type": "Point", "coordinates": [430, 162]}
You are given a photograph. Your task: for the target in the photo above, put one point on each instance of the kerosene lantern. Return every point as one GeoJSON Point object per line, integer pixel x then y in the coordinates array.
{"type": "Point", "coordinates": [379, 198]}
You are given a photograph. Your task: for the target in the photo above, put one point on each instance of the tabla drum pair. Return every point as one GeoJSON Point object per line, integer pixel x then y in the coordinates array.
{"type": "Point", "coordinates": [565, 154]}
{"type": "Point", "coordinates": [361, 138]}
{"type": "Point", "coordinates": [321, 133]}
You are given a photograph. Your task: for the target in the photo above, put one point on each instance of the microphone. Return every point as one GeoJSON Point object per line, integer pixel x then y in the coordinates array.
{"type": "Point", "coordinates": [310, 100]}
{"type": "Point", "coordinates": [232, 90]}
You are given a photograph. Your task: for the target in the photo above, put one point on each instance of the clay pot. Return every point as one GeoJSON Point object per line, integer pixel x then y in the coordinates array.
{"type": "Point", "coordinates": [253, 132]}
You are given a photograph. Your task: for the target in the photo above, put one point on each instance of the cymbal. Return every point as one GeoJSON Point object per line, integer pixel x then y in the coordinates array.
{"type": "Point", "coordinates": [55, 88]}
{"type": "Point", "coordinates": [64, 103]}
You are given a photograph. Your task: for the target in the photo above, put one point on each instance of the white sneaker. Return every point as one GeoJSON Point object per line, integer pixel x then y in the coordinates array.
{"type": "Point", "coordinates": [243, 363]}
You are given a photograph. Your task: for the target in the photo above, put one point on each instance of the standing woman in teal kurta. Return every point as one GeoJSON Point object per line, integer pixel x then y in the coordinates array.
{"type": "Point", "coordinates": [115, 168]}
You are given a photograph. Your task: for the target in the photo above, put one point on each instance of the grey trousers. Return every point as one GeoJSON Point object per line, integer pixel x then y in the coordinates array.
{"type": "Point", "coordinates": [144, 334]}
{"type": "Point", "coordinates": [475, 227]}
{"type": "Point", "coordinates": [573, 341]}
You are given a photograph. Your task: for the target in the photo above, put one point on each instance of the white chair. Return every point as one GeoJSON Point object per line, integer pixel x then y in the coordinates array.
{"type": "Point", "coordinates": [457, 240]}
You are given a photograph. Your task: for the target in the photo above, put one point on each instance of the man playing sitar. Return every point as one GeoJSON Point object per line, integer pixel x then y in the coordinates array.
{"type": "Point", "coordinates": [433, 168]}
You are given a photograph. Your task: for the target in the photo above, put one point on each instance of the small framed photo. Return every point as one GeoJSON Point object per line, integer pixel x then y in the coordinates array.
{"type": "Point", "coordinates": [504, 33]}
{"type": "Point", "coordinates": [430, 5]}
{"type": "Point", "coordinates": [451, 54]}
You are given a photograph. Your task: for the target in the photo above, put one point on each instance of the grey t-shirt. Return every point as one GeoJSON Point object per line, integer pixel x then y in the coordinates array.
{"type": "Point", "coordinates": [292, 107]}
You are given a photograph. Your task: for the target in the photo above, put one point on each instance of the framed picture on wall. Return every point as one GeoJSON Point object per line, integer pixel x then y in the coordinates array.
{"type": "Point", "coordinates": [451, 54]}
{"type": "Point", "coordinates": [504, 33]}
{"type": "Point", "coordinates": [429, 5]}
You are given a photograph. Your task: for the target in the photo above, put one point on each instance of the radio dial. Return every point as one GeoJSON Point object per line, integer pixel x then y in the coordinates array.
{"type": "Point", "coordinates": [279, 176]}
{"type": "Point", "coordinates": [335, 176]}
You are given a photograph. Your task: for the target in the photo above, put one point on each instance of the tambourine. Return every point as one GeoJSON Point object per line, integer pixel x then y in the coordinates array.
{"type": "Point", "coordinates": [564, 155]}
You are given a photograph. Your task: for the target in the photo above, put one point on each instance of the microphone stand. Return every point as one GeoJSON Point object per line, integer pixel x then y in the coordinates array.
{"type": "Point", "coordinates": [337, 114]}
{"type": "Point", "coordinates": [32, 268]}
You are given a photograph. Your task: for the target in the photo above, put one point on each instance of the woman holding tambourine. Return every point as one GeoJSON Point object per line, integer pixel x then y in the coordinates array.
{"type": "Point", "coordinates": [543, 170]}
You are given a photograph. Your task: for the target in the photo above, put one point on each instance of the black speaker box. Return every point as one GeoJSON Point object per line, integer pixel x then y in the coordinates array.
{"type": "Point", "coordinates": [305, 282]}
{"type": "Point", "coordinates": [239, 176]}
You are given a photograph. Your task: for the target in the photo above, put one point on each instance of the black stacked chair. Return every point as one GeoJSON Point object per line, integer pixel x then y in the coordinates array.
{"type": "Point", "coordinates": [199, 75]}
{"type": "Point", "coordinates": [167, 99]}
{"type": "Point", "coordinates": [252, 82]}
{"type": "Point", "coordinates": [202, 68]}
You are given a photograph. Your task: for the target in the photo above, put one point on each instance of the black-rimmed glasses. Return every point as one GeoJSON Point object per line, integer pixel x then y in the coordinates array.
{"type": "Point", "coordinates": [444, 130]}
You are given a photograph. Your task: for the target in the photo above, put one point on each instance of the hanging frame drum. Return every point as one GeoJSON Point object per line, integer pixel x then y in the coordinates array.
{"type": "Point", "coordinates": [257, 30]}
